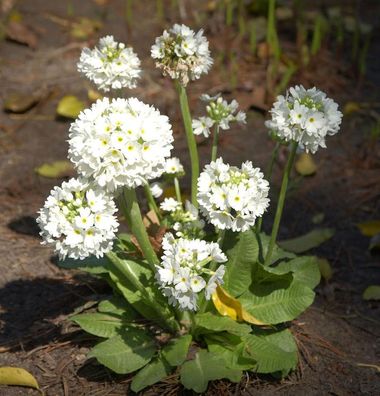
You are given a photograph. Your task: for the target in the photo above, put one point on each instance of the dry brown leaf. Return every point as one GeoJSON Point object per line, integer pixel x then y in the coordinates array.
{"type": "Point", "coordinates": [21, 33]}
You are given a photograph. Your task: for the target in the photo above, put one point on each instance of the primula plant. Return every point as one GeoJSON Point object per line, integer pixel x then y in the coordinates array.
{"type": "Point", "coordinates": [199, 289]}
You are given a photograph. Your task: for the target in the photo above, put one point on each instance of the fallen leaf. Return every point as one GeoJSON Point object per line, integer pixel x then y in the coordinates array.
{"type": "Point", "coordinates": [308, 241]}
{"type": "Point", "coordinates": [372, 293]}
{"type": "Point", "coordinates": [351, 107]}
{"type": "Point", "coordinates": [55, 170]}
{"type": "Point", "coordinates": [227, 305]}
{"type": "Point", "coordinates": [17, 376]}
{"type": "Point", "coordinates": [21, 33]}
{"type": "Point", "coordinates": [325, 269]}
{"type": "Point", "coordinates": [369, 228]}
{"type": "Point", "coordinates": [70, 106]}
{"type": "Point", "coordinates": [94, 95]}
{"type": "Point", "coordinates": [19, 102]}
{"type": "Point", "coordinates": [84, 28]}
{"type": "Point", "coordinates": [305, 165]}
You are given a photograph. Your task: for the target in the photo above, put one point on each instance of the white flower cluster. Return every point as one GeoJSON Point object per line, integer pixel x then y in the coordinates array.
{"type": "Point", "coordinates": [183, 274]}
{"type": "Point", "coordinates": [174, 167]}
{"type": "Point", "coordinates": [232, 198]}
{"type": "Point", "coordinates": [78, 220]}
{"type": "Point", "coordinates": [185, 222]}
{"type": "Point", "coordinates": [306, 116]}
{"type": "Point", "coordinates": [220, 113]}
{"type": "Point", "coordinates": [112, 65]}
{"type": "Point", "coordinates": [123, 142]}
{"type": "Point", "coordinates": [182, 54]}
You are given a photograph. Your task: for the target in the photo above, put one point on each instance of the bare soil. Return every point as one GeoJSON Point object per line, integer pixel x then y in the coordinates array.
{"type": "Point", "coordinates": [338, 336]}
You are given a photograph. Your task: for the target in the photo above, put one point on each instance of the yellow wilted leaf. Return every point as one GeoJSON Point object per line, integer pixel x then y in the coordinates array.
{"type": "Point", "coordinates": [325, 269]}
{"type": "Point", "coordinates": [370, 228]}
{"type": "Point", "coordinates": [17, 376]}
{"type": "Point", "coordinates": [227, 305]}
{"type": "Point", "coordinates": [70, 106]}
{"type": "Point", "coordinates": [94, 95]}
{"type": "Point", "coordinates": [305, 165]}
{"type": "Point", "coordinates": [55, 170]}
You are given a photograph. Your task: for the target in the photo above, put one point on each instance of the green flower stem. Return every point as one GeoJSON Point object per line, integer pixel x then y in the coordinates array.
{"type": "Point", "coordinates": [281, 201]}
{"type": "Point", "coordinates": [214, 149]}
{"type": "Point", "coordinates": [122, 270]}
{"type": "Point", "coordinates": [268, 176]}
{"type": "Point", "coordinates": [204, 304]}
{"type": "Point", "coordinates": [177, 190]}
{"type": "Point", "coordinates": [137, 227]}
{"type": "Point", "coordinates": [192, 145]}
{"type": "Point", "coordinates": [152, 202]}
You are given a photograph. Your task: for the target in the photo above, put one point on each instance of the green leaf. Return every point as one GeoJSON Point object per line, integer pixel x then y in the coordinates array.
{"type": "Point", "coordinates": [278, 253]}
{"type": "Point", "coordinates": [153, 372]}
{"type": "Point", "coordinates": [372, 293]}
{"type": "Point", "coordinates": [308, 241]}
{"type": "Point", "coordinates": [117, 306]}
{"type": "Point", "coordinates": [55, 170]}
{"type": "Point", "coordinates": [305, 269]}
{"type": "Point", "coordinates": [325, 269]}
{"type": "Point", "coordinates": [207, 366]}
{"type": "Point", "coordinates": [90, 264]}
{"type": "Point", "coordinates": [242, 251]}
{"type": "Point", "coordinates": [17, 376]}
{"type": "Point", "coordinates": [208, 322]}
{"type": "Point", "coordinates": [70, 107]}
{"type": "Point", "coordinates": [176, 351]}
{"type": "Point", "coordinates": [125, 353]}
{"type": "Point", "coordinates": [273, 350]}
{"type": "Point", "coordinates": [231, 350]}
{"type": "Point", "coordinates": [277, 301]}
{"type": "Point", "coordinates": [99, 324]}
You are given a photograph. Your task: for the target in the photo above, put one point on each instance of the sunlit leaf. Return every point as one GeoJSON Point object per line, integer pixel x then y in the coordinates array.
{"type": "Point", "coordinates": [152, 373]}
{"type": "Point", "coordinates": [372, 293]}
{"type": "Point", "coordinates": [56, 169]}
{"type": "Point", "coordinates": [369, 228]}
{"type": "Point", "coordinates": [70, 107]}
{"type": "Point", "coordinates": [125, 353]}
{"type": "Point", "coordinates": [99, 324]}
{"type": "Point", "coordinates": [325, 269]}
{"type": "Point", "coordinates": [227, 305]}
{"type": "Point", "coordinates": [305, 164]}
{"type": "Point", "coordinates": [17, 376]}
{"type": "Point", "coordinates": [308, 241]}
{"type": "Point", "coordinates": [210, 323]}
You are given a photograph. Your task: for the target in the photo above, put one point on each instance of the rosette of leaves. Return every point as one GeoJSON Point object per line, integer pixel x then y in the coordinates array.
{"type": "Point", "coordinates": [245, 328]}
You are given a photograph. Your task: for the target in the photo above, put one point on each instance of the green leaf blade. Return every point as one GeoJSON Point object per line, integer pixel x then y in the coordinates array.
{"type": "Point", "coordinates": [176, 351]}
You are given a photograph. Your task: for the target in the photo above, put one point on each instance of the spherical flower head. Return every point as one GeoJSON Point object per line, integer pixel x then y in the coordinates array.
{"type": "Point", "coordinates": [306, 116]}
{"type": "Point", "coordinates": [122, 142]}
{"type": "Point", "coordinates": [183, 273]}
{"type": "Point", "coordinates": [182, 54]}
{"type": "Point", "coordinates": [78, 220]}
{"type": "Point", "coordinates": [174, 167]}
{"type": "Point", "coordinates": [111, 65]}
{"type": "Point", "coordinates": [230, 197]}
{"type": "Point", "coordinates": [220, 113]}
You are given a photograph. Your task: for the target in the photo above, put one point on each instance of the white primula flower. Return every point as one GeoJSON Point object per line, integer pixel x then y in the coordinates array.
{"type": "Point", "coordinates": [232, 198]}
{"type": "Point", "coordinates": [202, 125]}
{"type": "Point", "coordinates": [183, 271]}
{"type": "Point", "coordinates": [173, 166]}
{"type": "Point", "coordinates": [219, 113]}
{"type": "Point", "coordinates": [306, 116]}
{"type": "Point", "coordinates": [182, 54]}
{"type": "Point", "coordinates": [156, 189]}
{"type": "Point", "coordinates": [111, 65]}
{"type": "Point", "coordinates": [120, 142]}
{"type": "Point", "coordinates": [170, 205]}
{"type": "Point", "coordinates": [78, 220]}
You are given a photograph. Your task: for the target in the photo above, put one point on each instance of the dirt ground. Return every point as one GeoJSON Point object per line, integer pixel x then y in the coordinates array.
{"type": "Point", "coordinates": [338, 336]}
